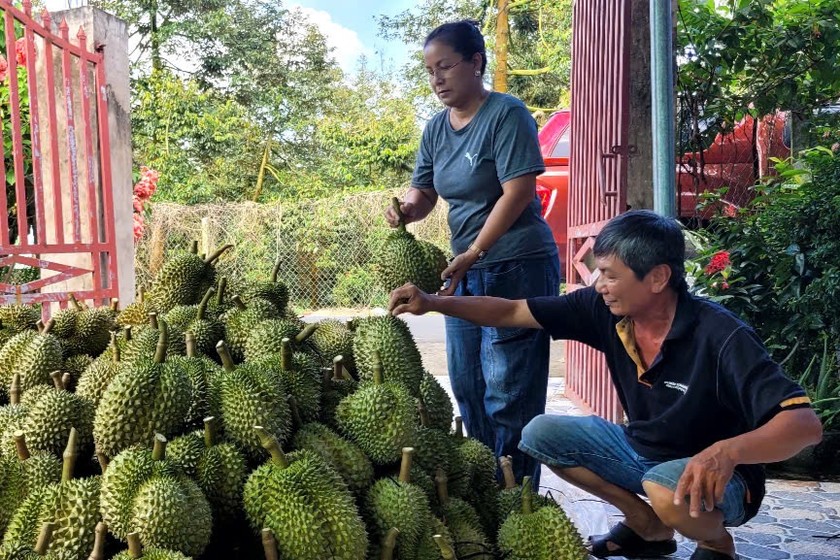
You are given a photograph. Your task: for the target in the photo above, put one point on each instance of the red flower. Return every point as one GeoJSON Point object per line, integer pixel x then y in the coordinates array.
{"type": "Point", "coordinates": [20, 51]}
{"type": "Point", "coordinates": [4, 68]}
{"type": "Point", "coordinates": [139, 226]}
{"type": "Point", "coordinates": [138, 204]}
{"type": "Point", "coordinates": [724, 285]}
{"type": "Point", "coordinates": [719, 262]}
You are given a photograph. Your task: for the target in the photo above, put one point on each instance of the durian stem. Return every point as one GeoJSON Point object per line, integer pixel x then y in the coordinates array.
{"type": "Point", "coordinates": [66, 379]}
{"type": "Point", "coordinates": [286, 354]}
{"type": "Point", "coordinates": [459, 428]}
{"type": "Point", "coordinates": [276, 270]}
{"type": "Point", "coordinates": [39, 324]}
{"type": "Point", "coordinates": [20, 446]}
{"type": "Point", "coordinates": [48, 327]}
{"type": "Point", "coordinates": [405, 465]}
{"type": "Point", "coordinates": [295, 412]}
{"type": "Point", "coordinates": [103, 461]}
{"type": "Point", "coordinates": [306, 332]}
{"type": "Point", "coordinates": [159, 449]}
{"type": "Point", "coordinates": [224, 354]}
{"type": "Point", "coordinates": [115, 350]}
{"type": "Point", "coordinates": [338, 368]}
{"type": "Point", "coordinates": [211, 431]}
{"type": "Point", "coordinates": [446, 551]}
{"type": "Point", "coordinates": [424, 414]}
{"type": "Point", "coordinates": [115, 305]}
{"type": "Point", "coordinates": [215, 256]}
{"type": "Point", "coordinates": [377, 367]}
{"type": "Point", "coordinates": [153, 320]}
{"type": "Point", "coordinates": [56, 379]}
{"type": "Point", "coordinates": [222, 288]}
{"type": "Point", "coordinates": [135, 548]}
{"type": "Point", "coordinates": [74, 302]}
{"type": "Point", "coordinates": [70, 452]}
{"type": "Point", "coordinates": [192, 351]}
{"type": "Point", "coordinates": [389, 543]}
{"type": "Point", "coordinates": [44, 538]}
{"type": "Point", "coordinates": [202, 307]}
{"type": "Point", "coordinates": [440, 486]}
{"type": "Point", "coordinates": [527, 497]}
{"type": "Point", "coordinates": [506, 464]}
{"type": "Point", "coordinates": [194, 247]}
{"type": "Point", "coordinates": [395, 204]}
{"type": "Point", "coordinates": [128, 333]}
{"type": "Point", "coordinates": [98, 552]}
{"type": "Point", "coordinates": [141, 294]}
{"type": "Point", "coordinates": [271, 445]}
{"type": "Point", "coordinates": [237, 301]}
{"type": "Point", "coordinates": [14, 389]}
{"type": "Point", "coordinates": [269, 544]}
{"type": "Point", "coordinates": [163, 342]}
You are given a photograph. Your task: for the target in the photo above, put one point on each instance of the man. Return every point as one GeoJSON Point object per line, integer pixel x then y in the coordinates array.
{"type": "Point", "coordinates": [706, 406]}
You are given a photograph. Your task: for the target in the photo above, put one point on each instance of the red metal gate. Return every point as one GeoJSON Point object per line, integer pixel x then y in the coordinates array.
{"type": "Point", "coordinates": [56, 199]}
{"type": "Point", "coordinates": [598, 173]}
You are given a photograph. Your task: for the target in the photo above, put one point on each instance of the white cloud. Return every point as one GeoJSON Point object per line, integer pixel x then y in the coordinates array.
{"type": "Point", "coordinates": [346, 42]}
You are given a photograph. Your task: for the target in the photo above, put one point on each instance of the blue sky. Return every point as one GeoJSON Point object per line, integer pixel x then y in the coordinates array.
{"type": "Point", "coordinates": [350, 27]}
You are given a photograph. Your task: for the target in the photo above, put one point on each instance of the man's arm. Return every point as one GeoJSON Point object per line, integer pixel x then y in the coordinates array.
{"type": "Point", "coordinates": [706, 475]}
{"type": "Point", "coordinates": [481, 310]}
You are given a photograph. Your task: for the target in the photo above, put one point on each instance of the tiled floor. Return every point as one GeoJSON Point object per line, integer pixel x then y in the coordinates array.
{"type": "Point", "coordinates": [798, 520]}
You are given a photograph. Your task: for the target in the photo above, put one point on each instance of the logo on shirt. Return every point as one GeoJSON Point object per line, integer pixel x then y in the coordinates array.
{"type": "Point", "coordinates": [678, 386]}
{"type": "Point", "coordinates": [471, 159]}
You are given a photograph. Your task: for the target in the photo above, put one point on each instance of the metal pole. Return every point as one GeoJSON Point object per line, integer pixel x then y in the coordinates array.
{"type": "Point", "coordinates": [662, 93]}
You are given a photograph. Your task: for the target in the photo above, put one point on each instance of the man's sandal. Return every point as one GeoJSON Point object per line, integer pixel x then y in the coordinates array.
{"type": "Point", "coordinates": [629, 544]}
{"type": "Point", "coordinates": [709, 554]}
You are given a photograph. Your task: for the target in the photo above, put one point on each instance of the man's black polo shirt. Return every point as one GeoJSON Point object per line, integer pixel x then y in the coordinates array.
{"type": "Point", "coordinates": [712, 380]}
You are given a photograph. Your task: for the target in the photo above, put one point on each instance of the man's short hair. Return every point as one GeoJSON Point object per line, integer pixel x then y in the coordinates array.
{"type": "Point", "coordinates": [643, 239]}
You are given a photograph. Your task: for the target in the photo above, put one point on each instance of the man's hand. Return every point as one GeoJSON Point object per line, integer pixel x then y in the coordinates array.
{"type": "Point", "coordinates": [408, 298]}
{"type": "Point", "coordinates": [409, 212]}
{"type": "Point", "coordinates": [705, 478]}
{"type": "Point", "coordinates": [456, 271]}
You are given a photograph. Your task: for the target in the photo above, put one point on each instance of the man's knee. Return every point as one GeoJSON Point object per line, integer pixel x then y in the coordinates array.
{"type": "Point", "coordinates": [662, 501]}
{"type": "Point", "coordinates": [547, 428]}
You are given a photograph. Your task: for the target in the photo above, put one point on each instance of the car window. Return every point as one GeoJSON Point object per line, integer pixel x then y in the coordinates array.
{"type": "Point", "coordinates": [562, 148]}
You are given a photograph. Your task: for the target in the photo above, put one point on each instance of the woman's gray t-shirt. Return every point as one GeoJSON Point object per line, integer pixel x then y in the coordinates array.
{"type": "Point", "coordinates": [468, 166]}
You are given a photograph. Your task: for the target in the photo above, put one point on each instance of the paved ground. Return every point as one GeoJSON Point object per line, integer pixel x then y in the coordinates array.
{"type": "Point", "coordinates": [798, 520]}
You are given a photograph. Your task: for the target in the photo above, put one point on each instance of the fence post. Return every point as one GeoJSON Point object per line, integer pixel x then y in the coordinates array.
{"type": "Point", "coordinates": [109, 33]}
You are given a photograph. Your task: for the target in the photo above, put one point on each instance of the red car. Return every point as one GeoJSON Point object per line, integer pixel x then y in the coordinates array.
{"type": "Point", "coordinates": [729, 161]}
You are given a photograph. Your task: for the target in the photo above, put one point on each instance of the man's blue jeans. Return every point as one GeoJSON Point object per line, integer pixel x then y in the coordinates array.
{"type": "Point", "coordinates": [500, 375]}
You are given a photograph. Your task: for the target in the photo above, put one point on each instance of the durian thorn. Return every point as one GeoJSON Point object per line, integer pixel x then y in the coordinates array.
{"type": "Point", "coordinates": [159, 449]}
{"type": "Point", "coordinates": [224, 354]}
{"type": "Point", "coordinates": [163, 342]}
{"type": "Point", "coordinates": [338, 368]}
{"type": "Point", "coordinates": [441, 486]}
{"type": "Point", "coordinates": [39, 324]}
{"type": "Point", "coordinates": [221, 288]}
{"type": "Point", "coordinates": [44, 538]}
{"type": "Point", "coordinates": [135, 548]}
{"type": "Point", "coordinates": [14, 389]}
{"type": "Point", "coordinates": [506, 464]}
{"type": "Point", "coordinates": [153, 320]}
{"type": "Point", "coordinates": [405, 464]}
{"type": "Point", "coordinates": [218, 253]}
{"type": "Point", "coordinates": [459, 428]}
{"type": "Point", "coordinates": [103, 461]}
{"type": "Point", "coordinates": [377, 367]}
{"type": "Point", "coordinates": [527, 497]}
{"type": "Point", "coordinates": [69, 458]}
{"type": "Point", "coordinates": [202, 307]}
{"type": "Point", "coordinates": [270, 444]}
{"type": "Point", "coordinates": [98, 552]}
{"type": "Point", "coordinates": [269, 544]}
{"type": "Point", "coordinates": [48, 327]}
{"type": "Point", "coordinates": [115, 304]}
{"type": "Point", "coordinates": [276, 270]}
{"type": "Point", "coordinates": [128, 333]}
{"type": "Point", "coordinates": [237, 301]}
{"type": "Point", "coordinates": [20, 446]}
{"type": "Point", "coordinates": [189, 338]}
{"type": "Point", "coordinates": [295, 411]}
{"type": "Point", "coordinates": [308, 331]}
{"type": "Point", "coordinates": [56, 379]}
{"type": "Point", "coordinates": [286, 354]}
{"type": "Point", "coordinates": [395, 204]}
{"type": "Point", "coordinates": [446, 551]}
{"type": "Point", "coordinates": [389, 543]}
{"type": "Point", "coordinates": [424, 413]}
{"type": "Point", "coordinates": [211, 429]}
{"type": "Point", "coordinates": [66, 379]}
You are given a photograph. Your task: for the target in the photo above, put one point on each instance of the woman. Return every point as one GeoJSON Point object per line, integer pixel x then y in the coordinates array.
{"type": "Point", "coordinates": [481, 154]}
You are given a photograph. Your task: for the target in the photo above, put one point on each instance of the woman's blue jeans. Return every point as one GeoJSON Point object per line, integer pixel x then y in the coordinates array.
{"type": "Point", "coordinates": [500, 375]}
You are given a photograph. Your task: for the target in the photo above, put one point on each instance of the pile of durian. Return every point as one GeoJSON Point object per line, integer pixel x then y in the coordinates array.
{"type": "Point", "coordinates": [207, 421]}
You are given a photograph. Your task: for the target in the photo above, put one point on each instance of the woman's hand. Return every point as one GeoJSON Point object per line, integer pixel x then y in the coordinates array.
{"type": "Point", "coordinates": [456, 271]}
{"type": "Point", "coordinates": [409, 214]}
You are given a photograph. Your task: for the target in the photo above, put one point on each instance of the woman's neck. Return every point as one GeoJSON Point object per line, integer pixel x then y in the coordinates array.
{"type": "Point", "coordinates": [468, 110]}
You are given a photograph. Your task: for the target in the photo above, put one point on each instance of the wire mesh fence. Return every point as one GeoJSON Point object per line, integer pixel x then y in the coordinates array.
{"type": "Point", "coordinates": [325, 245]}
